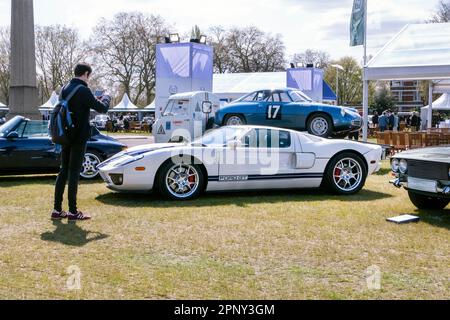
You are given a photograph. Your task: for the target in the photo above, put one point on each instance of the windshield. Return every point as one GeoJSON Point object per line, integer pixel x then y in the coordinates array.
{"type": "Point", "coordinates": [256, 96]}
{"type": "Point", "coordinates": [298, 96]}
{"type": "Point", "coordinates": [9, 126]}
{"type": "Point", "coordinates": [176, 107]}
{"type": "Point", "coordinates": [221, 136]}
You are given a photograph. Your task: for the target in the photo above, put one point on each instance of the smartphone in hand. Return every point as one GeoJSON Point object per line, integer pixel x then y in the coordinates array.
{"type": "Point", "coordinates": [99, 93]}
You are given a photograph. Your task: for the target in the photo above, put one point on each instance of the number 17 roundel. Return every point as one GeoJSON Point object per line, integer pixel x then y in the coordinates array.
{"type": "Point", "coordinates": [274, 112]}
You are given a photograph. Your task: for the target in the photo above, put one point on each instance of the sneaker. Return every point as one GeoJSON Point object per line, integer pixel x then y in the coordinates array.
{"type": "Point", "coordinates": [79, 216]}
{"type": "Point", "coordinates": [59, 215]}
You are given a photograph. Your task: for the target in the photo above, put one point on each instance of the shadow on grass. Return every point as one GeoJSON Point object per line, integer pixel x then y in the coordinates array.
{"type": "Point", "coordinates": [384, 172]}
{"type": "Point", "coordinates": [48, 179]}
{"type": "Point", "coordinates": [14, 181]}
{"type": "Point", "coordinates": [437, 218]}
{"type": "Point", "coordinates": [71, 234]}
{"type": "Point", "coordinates": [241, 199]}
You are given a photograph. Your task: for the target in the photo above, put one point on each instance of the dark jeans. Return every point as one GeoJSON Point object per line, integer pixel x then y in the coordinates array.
{"type": "Point", "coordinates": [71, 162]}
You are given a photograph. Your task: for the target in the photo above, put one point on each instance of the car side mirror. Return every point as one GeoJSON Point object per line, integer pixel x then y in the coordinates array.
{"type": "Point", "coordinates": [207, 107]}
{"type": "Point", "coordinates": [234, 144]}
{"type": "Point", "coordinates": [12, 135]}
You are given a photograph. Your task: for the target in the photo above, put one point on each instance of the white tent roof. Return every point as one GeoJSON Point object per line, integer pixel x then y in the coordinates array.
{"type": "Point", "coordinates": [443, 103]}
{"type": "Point", "coordinates": [441, 86]}
{"type": "Point", "coordinates": [125, 104]}
{"type": "Point", "coordinates": [247, 82]}
{"type": "Point", "coordinates": [417, 52]}
{"type": "Point", "coordinates": [51, 103]}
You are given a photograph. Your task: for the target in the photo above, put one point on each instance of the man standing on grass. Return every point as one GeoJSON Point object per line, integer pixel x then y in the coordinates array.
{"type": "Point", "coordinates": [72, 155]}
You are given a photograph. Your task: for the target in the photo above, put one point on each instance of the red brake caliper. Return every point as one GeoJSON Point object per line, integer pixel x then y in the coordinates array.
{"type": "Point", "coordinates": [191, 179]}
{"type": "Point", "coordinates": [337, 173]}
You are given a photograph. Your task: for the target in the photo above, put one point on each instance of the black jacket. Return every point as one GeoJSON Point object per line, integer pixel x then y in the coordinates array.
{"type": "Point", "coordinates": [80, 107]}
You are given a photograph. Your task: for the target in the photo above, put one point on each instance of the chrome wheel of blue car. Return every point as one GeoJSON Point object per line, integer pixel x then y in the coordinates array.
{"type": "Point", "coordinates": [319, 126]}
{"type": "Point", "coordinates": [234, 120]}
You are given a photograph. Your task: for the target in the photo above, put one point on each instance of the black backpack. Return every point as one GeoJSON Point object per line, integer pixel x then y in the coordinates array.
{"type": "Point", "coordinates": [61, 125]}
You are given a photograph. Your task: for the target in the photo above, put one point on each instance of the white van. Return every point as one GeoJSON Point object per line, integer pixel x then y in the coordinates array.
{"type": "Point", "coordinates": [186, 117]}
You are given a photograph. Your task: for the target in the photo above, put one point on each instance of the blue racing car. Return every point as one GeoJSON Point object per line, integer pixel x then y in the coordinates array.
{"type": "Point", "coordinates": [291, 109]}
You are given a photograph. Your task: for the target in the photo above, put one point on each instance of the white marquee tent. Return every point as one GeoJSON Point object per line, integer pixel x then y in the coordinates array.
{"type": "Point", "coordinates": [417, 52]}
{"type": "Point", "coordinates": [441, 104]}
{"type": "Point", "coordinates": [125, 105]}
{"type": "Point", "coordinates": [231, 86]}
{"type": "Point", "coordinates": [51, 103]}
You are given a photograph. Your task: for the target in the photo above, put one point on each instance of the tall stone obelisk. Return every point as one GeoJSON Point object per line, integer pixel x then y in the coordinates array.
{"type": "Point", "coordinates": [23, 88]}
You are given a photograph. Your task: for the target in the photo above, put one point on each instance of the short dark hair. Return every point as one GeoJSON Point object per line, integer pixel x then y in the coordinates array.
{"type": "Point", "coordinates": [81, 68]}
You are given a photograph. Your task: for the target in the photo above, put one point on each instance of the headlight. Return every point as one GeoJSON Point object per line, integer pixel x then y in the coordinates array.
{"type": "Point", "coordinates": [129, 160]}
{"type": "Point", "coordinates": [395, 165]}
{"type": "Point", "coordinates": [403, 166]}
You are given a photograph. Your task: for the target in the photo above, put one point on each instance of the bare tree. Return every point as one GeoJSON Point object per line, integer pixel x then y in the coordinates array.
{"type": "Point", "coordinates": [271, 55]}
{"type": "Point", "coordinates": [314, 57]}
{"type": "Point", "coordinates": [5, 51]}
{"type": "Point", "coordinates": [125, 50]}
{"type": "Point", "coordinates": [151, 31]}
{"type": "Point", "coordinates": [246, 50]}
{"type": "Point", "coordinates": [58, 49]}
{"type": "Point", "coordinates": [442, 13]}
{"type": "Point", "coordinates": [196, 33]}
{"type": "Point", "coordinates": [218, 40]}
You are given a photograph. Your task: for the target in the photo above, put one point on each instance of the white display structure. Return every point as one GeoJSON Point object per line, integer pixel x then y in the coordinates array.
{"type": "Point", "coordinates": [182, 67]}
{"type": "Point", "coordinates": [308, 80]}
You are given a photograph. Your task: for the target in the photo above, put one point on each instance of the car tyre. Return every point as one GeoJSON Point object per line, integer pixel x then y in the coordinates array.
{"type": "Point", "coordinates": [320, 125]}
{"type": "Point", "coordinates": [346, 174]}
{"type": "Point", "coordinates": [426, 202]}
{"type": "Point", "coordinates": [234, 120]}
{"type": "Point", "coordinates": [180, 179]}
{"type": "Point", "coordinates": [89, 169]}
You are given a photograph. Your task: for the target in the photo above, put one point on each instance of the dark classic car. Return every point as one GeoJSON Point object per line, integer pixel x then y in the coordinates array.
{"type": "Point", "coordinates": [425, 174]}
{"type": "Point", "coordinates": [26, 148]}
{"type": "Point", "coordinates": [291, 109]}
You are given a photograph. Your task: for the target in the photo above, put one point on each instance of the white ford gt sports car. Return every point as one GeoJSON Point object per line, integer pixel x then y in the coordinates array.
{"type": "Point", "coordinates": [243, 158]}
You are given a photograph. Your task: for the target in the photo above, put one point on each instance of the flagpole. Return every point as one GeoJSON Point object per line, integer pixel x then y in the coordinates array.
{"type": "Point", "coordinates": [365, 82]}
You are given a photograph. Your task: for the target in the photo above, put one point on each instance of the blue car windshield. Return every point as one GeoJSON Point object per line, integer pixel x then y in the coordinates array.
{"type": "Point", "coordinates": [298, 96]}
{"type": "Point", "coordinates": [221, 136]}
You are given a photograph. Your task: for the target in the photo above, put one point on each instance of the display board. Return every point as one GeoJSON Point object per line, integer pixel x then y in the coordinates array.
{"type": "Point", "coordinates": [309, 80]}
{"type": "Point", "coordinates": [182, 67]}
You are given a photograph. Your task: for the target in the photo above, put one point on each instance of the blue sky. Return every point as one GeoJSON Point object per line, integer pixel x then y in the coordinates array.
{"type": "Point", "coordinates": [303, 24]}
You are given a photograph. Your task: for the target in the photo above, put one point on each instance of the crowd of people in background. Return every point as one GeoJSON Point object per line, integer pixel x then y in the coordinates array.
{"type": "Point", "coordinates": [121, 122]}
{"type": "Point", "coordinates": [391, 121]}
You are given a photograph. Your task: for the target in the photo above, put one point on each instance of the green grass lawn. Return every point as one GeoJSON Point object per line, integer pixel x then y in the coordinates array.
{"type": "Point", "coordinates": [266, 245]}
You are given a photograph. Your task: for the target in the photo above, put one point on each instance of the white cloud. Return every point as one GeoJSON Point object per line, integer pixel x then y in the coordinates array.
{"type": "Point", "coordinates": [302, 23]}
